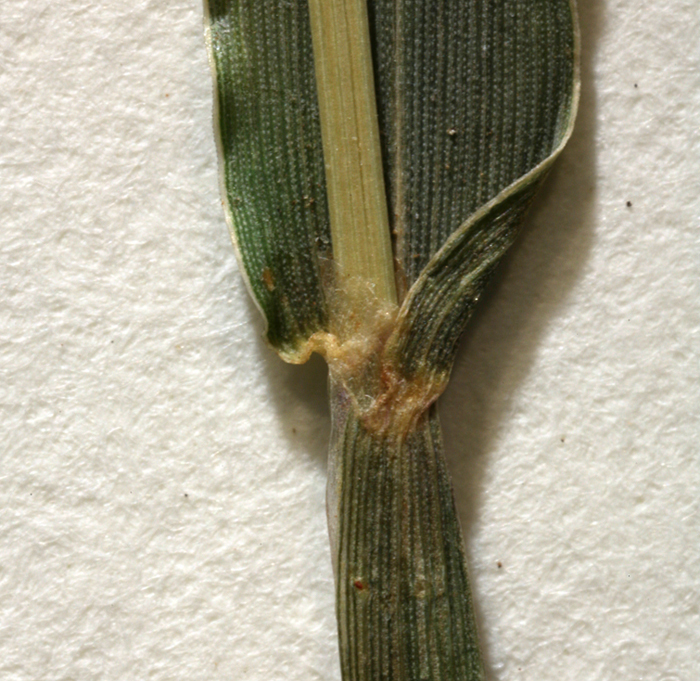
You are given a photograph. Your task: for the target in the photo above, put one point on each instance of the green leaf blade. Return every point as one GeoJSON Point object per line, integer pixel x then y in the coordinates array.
{"type": "Point", "coordinates": [521, 88]}
{"type": "Point", "coordinates": [471, 95]}
{"type": "Point", "coordinates": [475, 99]}
{"type": "Point", "coordinates": [272, 162]}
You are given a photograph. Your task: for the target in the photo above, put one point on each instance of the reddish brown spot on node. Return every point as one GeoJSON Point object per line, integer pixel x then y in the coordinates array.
{"type": "Point", "coordinates": [358, 584]}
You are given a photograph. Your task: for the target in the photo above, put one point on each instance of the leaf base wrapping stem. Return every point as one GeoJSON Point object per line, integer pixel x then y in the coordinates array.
{"type": "Point", "coordinates": [403, 601]}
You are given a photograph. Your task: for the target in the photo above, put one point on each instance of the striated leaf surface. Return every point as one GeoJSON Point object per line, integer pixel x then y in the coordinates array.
{"type": "Point", "coordinates": [402, 591]}
{"type": "Point", "coordinates": [476, 101]}
{"type": "Point", "coordinates": [272, 161]}
{"type": "Point", "coordinates": [472, 94]}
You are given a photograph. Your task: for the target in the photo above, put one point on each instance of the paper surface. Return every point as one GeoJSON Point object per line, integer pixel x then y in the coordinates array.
{"type": "Point", "coordinates": [162, 473]}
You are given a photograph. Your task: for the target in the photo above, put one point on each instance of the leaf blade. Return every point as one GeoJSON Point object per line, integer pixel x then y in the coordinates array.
{"type": "Point", "coordinates": [272, 171]}
{"type": "Point", "coordinates": [469, 97]}
{"type": "Point", "coordinates": [444, 293]}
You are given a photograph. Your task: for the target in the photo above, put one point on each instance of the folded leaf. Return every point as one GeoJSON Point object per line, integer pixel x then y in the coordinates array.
{"type": "Point", "coordinates": [480, 100]}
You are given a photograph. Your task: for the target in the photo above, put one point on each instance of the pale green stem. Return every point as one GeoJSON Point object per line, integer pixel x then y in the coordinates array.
{"type": "Point", "coordinates": [350, 131]}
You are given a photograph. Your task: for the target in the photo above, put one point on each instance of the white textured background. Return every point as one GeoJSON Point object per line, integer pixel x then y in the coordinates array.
{"type": "Point", "coordinates": [162, 473]}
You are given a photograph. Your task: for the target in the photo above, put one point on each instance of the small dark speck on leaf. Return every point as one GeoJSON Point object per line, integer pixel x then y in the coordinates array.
{"type": "Point", "coordinates": [629, 204]}
{"type": "Point", "coordinates": [562, 438]}
{"type": "Point", "coordinates": [294, 430]}
{"type": "Point", "coordinates": [268, 279]}
{"type": "Point", "coordinates": [635, 85]}
{"type": "Point", "coordinates": [187, 495]}
{"type": "Point", "coordinates": [500, 565]}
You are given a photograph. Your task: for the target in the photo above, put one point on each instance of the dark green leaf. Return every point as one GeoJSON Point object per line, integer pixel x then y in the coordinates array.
{"type": "Point", "coordinates": [272, 161]}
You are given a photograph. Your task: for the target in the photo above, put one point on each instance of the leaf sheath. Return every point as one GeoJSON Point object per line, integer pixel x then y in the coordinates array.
{"type": "Point", "coordinates": [402, 594]}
